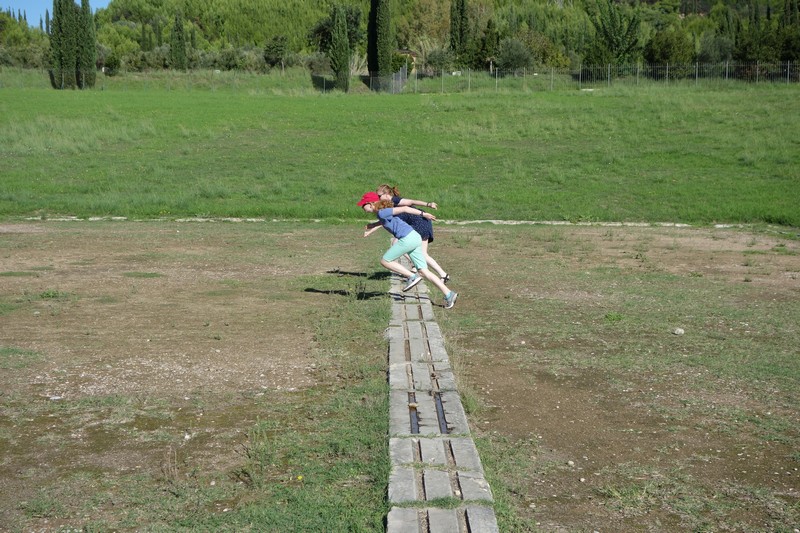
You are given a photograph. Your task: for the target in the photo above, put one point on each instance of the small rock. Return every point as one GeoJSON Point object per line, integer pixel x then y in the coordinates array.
{"type": "Point", "coordinates": [571, 463]}
{"type": "Point", "coordinates": [678, 331]}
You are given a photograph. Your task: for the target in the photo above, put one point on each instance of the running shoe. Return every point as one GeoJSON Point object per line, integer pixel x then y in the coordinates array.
{"type": "Point", "coordinates": [412, 282]}
{"type": "Point", "coordinates": [450, 300]}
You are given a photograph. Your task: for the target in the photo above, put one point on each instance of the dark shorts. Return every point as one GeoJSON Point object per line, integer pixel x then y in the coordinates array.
{"type": "Point", "coordinates": [421, 225]}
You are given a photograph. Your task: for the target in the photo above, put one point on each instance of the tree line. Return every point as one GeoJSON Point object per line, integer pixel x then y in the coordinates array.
{"type": "Point", "coordinates": [383, 36]}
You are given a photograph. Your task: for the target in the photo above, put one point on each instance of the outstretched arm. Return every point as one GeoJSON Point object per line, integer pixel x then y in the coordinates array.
{"type": "Point", "coordinates": [410, 202]}
{"type": "Point", "coordinates": [413, 211]}
{"type": "Point", "coordinates": [371, 228]}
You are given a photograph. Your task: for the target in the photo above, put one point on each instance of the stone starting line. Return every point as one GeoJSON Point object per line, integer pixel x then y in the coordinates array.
{"type": "Point", "coordinates": [434, 461]}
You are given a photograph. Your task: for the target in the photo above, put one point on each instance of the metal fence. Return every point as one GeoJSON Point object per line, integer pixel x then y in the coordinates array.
{"type": "Point", "coordinates": [300, 80]}
{"type": "Point", "coordinates": [587, 77]}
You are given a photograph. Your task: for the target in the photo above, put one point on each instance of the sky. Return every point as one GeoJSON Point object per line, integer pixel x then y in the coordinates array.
{"type": "Point", "coordinates": [34, 9]}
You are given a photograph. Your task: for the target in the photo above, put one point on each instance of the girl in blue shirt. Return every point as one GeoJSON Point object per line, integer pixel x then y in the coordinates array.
{"type": "Point", "coordinates": [420, 224]}
{"type": "Point", "coordinates": [408, 242]}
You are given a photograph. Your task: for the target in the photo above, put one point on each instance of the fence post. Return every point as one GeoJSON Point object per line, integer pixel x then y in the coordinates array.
{"type": "Point", "coordinates": [580, 76]}
{"type": "Point", "coordinates": [788, 63]}
{"type": "Point", "coordinates": [609, 74]}
{"type": "Point", "coordinates": [495, 79]}
{"type": "Point", "coordinates": [469, 80]}
{"type": "Point", "coordinates": [442, 80]}
{"type": "Point", "coordinates": [667, 73]}
{"type": "Point", "coordinates": [758, 66]}
{"type": "Point", "coordinates": [552, 75]}
{"type": "Point", "coordinates": [638, 68]}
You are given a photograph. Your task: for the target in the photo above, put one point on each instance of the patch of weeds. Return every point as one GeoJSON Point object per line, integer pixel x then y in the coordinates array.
{"type": "Point", "coordinates": [781, 249]}
{"type": "Point", "coordinates": [614, 317]}
{"type": "Point", "coordinates": [637, 491]}
{"type": "Point", "coordinates": [143, 275]}
{"type": "Point", "coordinates": [470, 400]}
{"type": "Point", "coordinates": [259, 454]}
{"type": "Point", "coordinates": [509, 463]}
{"type": "Point", "coordinates": [53, 294]}
{"type": "Point", "coordinates": [6, 308]}
{"type": "Point", "coordinates": [16, 274]}
{"type": "Point", "coordinates": [359, 291]}
{"type": "Point", "coordinates": [42, 506]}
{"type": "Point", "coordinates": [16, 358]}
{"type": "Point", "coordinates": [461, 240]}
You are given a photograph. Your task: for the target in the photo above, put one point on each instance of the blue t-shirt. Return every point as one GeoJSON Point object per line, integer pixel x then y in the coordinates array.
{"type": "Point", "coordinates": [393, 224]}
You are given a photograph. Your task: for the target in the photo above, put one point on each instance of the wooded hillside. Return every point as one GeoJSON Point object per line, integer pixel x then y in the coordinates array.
{"type": "Point", "coordinates": [258, 35]}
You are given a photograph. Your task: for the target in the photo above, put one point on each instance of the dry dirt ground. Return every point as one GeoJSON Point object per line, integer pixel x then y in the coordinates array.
{"type": "Point", "coordinates": [122, 340]}
{"type": "Point", "coordinates": [125, 342]}
{"type": "Point", "coordinates": [618, 450]}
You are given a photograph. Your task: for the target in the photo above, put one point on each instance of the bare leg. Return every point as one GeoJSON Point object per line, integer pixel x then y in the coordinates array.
{"type": "Point", "coordinates": [431, 262]}
{"type": "Point", "coordinates": [427, 274]}
{"type": "Point", "coordinates": [397, 268]}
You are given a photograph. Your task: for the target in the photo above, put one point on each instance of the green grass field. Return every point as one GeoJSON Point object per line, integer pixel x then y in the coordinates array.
{"type": "Point", "coordinates": [649, 154]}
{"type": "Point", "coordinates": [158, 356]}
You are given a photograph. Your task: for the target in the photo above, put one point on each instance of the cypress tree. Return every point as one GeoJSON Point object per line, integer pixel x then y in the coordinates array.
{"type": "Point", "coordinates": [385, 37]}
{"type": "Point", "coordinates": [340, 49]}
{"type": "Point", "coordinates": [456, 30]}
{"type": "Point", "coordinates": [87, 49]}
{"type": "Point", "coordinates": [64, 44]}
{"type": "Point", "coordinates": [177, 43]}
{"type": "Point", "coordinates": [372, 37]}
{"type": "Point", "coordinates": [380, 40]}
{"type": "Point", "coordinates": [55, 47]}
{"type": "Point", "coordinates": [157, 31]}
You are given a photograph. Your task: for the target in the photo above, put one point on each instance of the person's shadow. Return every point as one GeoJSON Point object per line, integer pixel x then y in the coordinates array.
{"type": "Point", "coordinates": [358, 290]}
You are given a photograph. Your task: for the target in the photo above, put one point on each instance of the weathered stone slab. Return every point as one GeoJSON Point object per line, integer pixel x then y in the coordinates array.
{"type": "Point", "coordinates": [454, 413]}
{"type": "Point", "coordinates": [401, 451]}
{"type": "Point", "coordinates": [437, 484]}
{"type": "Point", "coordinates": [403, 520]}
{"type": "Point", "coordinates": [481, 520]}
{"type": "Point", "coordinates": [422, 377]}
{"type": "Point", "coordinates": [414, 331]}
{"type": "Point", "coordinates": [436, 343]}
{"type": "Point", "coordinates": [402, 485]}
{"type": "Point", "coordinates": [474, 486]}
{"type": "Point", "coordinates": [398, 318]}
{"type": "Point", "coordinates": [418, 350]}
{"type": "Point", "coordinates": [428, 416]}
{"type": "Point", "coordinates": [399, 378]}
{"type": "Point", "coordinates": [466, 455]}
{"type": "Point", "coordinates": [445, 380]}
{"type": "Point", "coordinates": [443, 521]}
{"type": "Point", "coordinates": [426, 309]}
{"type": "Point", "coordinates": [432, 451]}
{"type": "Point", "coordinates": [399, 414]}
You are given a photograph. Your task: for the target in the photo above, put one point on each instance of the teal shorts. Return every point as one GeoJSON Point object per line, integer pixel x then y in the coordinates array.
{"type": "Point", "coordinates": [411, 244]}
